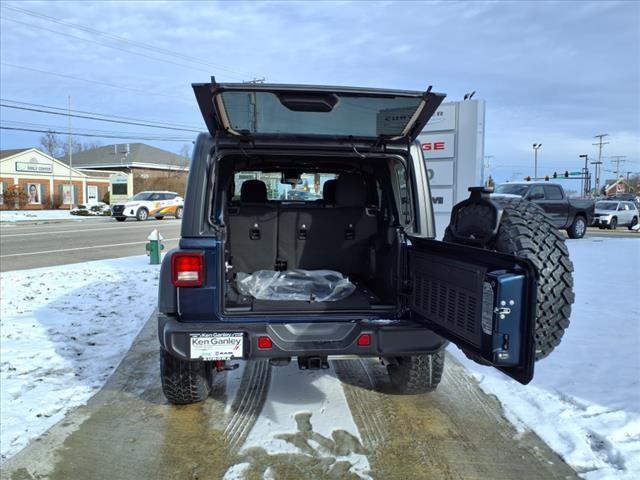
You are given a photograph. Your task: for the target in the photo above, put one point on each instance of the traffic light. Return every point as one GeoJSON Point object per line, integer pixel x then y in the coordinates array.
{"type": "Point", "coordinates": [566, 174]}
{"type": "Point", "coordinates": [555, 174]}
{"type": "Point", "coordinates": [527, 178]}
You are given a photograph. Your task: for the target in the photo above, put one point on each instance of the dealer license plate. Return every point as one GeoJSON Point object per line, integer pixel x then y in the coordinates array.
{"type": "Point", "coordinates": [216, 346]}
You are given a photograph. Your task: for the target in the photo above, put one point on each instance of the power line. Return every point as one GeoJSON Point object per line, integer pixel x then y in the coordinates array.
{"type": "Point", "coordinates": [117, 38]}
{"type": "Point", "coordinates": [88, 117]}
{"type": "Point", "coordinates": [94, 132]}
{"type": "Point", "coordinates": [112, 85]}
{"type": "Point", "coordinates": [77, 134]}
{"type": "Point", "coordinates": [107, 45]}
{"type": "Point", "coordinates": [109, 115]}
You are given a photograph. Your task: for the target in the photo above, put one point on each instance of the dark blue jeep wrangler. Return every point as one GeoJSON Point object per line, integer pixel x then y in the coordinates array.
{"type": "Point", "coordinates": [308, 232]}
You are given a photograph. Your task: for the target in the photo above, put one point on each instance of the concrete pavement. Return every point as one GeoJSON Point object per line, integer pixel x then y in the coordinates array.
{"type": "Point", "coordinates": [49, 244]}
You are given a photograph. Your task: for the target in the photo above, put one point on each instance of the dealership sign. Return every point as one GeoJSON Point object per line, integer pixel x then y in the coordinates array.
{"type": "Point", "coordinates": [452, 145]}
{"type": "Point", "coordinates": [443, 119]}
{"type": "Point", "coordinates": [438, 145]}
{"type": "Point", "coordinates": [440, 173]}
{"type": "Point", "coordinates": [34, 167]}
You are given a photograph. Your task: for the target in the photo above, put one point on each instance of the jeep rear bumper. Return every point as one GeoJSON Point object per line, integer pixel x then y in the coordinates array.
{"type": "Point", "coordinates": [398, 338]}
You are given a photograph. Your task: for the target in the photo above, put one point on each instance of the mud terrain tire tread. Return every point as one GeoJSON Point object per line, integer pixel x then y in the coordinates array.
{"type": "Point", "coordinates": [184, 382]}
{"type": "Point", "coordinates": [527, 232]}
{"type": "Point", "coordinates": [418, 373]}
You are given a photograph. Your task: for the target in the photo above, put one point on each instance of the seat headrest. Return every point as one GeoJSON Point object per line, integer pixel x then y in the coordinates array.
{"type": "Point", "coordinates": [329, 192]}
{"type": "Point", "coordinates": [253, 191]}
{"type": "Point", "coordinates": [351, 190]}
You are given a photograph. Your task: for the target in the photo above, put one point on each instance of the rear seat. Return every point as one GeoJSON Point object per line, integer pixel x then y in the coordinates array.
{"type": "Point", "coordinates": [253, 229]}
{"type": "Point", "coordinates": [329, 237]}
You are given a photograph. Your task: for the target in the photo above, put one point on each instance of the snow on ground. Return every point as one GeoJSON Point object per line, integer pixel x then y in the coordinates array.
{"type": "Point", "coordinates": [63, 330]}
{"type": "Point", "coordinates": [34, 215]}
{"type": "Point", "coordinates": [297, 426]}
{"type": "Point", "coordinates": [584, 401]}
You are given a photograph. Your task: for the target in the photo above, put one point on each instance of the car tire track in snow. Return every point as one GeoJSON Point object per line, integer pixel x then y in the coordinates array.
{"type": "Point", "coordinates": [248, 402]}
{"type": "Point", "coordinates": [456, 432]}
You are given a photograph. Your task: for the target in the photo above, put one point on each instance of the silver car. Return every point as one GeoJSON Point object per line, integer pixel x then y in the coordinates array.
{"type": "Point", "coordinates": [612, 213]}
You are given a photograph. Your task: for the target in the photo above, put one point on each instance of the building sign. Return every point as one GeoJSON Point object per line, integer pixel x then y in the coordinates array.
{"type": "Point", "coordinates": [440, 173]}
{"type": "Point", "coordinates": [438, 145]}
{"type": "Point", "coordinates": [442, 199]}
{"type": "Point", "coordinates": [34, 167]}
{"type": "Point", "coordinates": [453, 148]}
{"type": "Point", "coordinates": [443, 119]}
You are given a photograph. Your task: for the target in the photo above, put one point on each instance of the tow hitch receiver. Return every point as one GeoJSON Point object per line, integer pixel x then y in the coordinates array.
{"type": "Point", "coordinates": [222, 365]}
{"type": "Point", "coordinates": [312, 363]}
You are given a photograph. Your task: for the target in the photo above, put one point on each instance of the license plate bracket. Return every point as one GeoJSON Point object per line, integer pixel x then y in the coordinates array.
{"type": "Point", "coordinates": [216, 346]}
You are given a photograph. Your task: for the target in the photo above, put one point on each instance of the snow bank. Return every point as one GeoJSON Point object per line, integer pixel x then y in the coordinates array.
{"type": "Point", "coordinates": [584, 401]}
{"type": "Point", "coordinates": [63, 331]}
{"type": "Point", "coordinates": [33, 215]}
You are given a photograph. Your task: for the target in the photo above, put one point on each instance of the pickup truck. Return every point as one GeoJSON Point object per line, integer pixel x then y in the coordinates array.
{"type": "Point", "coordinates": [571, 214]}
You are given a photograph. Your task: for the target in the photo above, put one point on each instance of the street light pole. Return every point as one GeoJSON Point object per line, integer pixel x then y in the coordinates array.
{"type": "Point", "coordinates": [536, 146]}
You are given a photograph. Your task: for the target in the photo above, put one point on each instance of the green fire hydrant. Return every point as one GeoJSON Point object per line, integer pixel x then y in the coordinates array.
{"type": "Point", "coordinates": [154, 247]}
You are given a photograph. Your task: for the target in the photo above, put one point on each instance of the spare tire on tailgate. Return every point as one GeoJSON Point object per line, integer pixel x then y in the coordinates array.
{"type": "Point", "coordinates": [525, 231]}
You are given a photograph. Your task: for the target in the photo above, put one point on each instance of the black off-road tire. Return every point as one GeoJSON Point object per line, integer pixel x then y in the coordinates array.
{"type": "Point", "coordinates": [578, 228]}
{"type": "Point", "coordinates": [184, 382]}
{"type": "Point", "coordinates": [417, 374]}
{"type": "Point", "coordinates": [527, 232]}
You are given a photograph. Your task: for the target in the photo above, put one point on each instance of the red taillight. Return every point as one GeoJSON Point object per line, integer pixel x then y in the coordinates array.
{"type": "Point", "coordinates": [264, 343]}
{"type": "Point", "coordinates": [187, 269]}
{"type": "Point", "coordinates": [364, 340]}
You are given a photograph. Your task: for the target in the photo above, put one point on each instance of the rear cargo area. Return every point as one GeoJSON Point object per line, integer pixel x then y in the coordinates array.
{"type": "Point", "coordinates": [341, 232]}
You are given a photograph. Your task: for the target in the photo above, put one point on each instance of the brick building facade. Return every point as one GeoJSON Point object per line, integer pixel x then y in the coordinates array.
{"type": "Point", "coordinates": [47, 182]}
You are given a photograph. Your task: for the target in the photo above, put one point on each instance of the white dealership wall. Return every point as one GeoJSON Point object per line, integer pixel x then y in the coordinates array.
{"type": "Point", "coordinates": [453, 148]}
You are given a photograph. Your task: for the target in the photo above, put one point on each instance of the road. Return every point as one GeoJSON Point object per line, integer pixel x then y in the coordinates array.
{"type": "Point", "coordinates": [129, 431]}
{"type": "Point", "coordinates": [57, 243]}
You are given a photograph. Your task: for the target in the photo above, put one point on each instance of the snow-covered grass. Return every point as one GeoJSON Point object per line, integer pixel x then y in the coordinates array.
{"type": "Point", "coordinates": [34, 215]}
{"type": "Point", "coordinates": [63, 331]}
{"type": "Point", "coordinates": [584, 401]}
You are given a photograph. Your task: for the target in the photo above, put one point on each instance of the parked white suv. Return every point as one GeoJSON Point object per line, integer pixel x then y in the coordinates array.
{"type": "Point", "coordinates": [613, 213]}
{"type": "Point", "coordinates": [145, 204]}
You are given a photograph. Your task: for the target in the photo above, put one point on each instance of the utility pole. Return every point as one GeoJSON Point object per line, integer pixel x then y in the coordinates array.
{"type": "Point", "coordinates": [618, 159]}
{"type": "Point", "coordinates": [585, 175]}
{"type": "Point", "coordinates": [599, 162]}
{"type": "Point", "coordinates": [485, 165]}
{"type": "Point", "coordinates": [70, 161]}
{"type": "Point", "coordinates": [536, 146]}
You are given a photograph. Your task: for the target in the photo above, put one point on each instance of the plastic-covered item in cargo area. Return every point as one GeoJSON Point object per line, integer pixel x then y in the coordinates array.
{"type": "Point", "coordinates": [305, 285]}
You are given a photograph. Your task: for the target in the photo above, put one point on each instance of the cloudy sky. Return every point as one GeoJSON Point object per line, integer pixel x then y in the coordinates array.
{"type": "Point", "coordinates": [550, 72]}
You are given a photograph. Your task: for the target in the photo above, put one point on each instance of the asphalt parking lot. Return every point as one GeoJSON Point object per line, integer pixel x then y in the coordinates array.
{"type": "Point", "coordinates": [47, 244]}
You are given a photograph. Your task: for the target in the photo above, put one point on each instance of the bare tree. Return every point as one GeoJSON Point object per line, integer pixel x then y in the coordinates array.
{"type": "Point", "coordinates": [51, 144]}
{"type": "Point", "coordinates": [77, 146]}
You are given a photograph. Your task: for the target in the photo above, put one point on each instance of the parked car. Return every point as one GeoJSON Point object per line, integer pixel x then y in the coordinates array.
{"type": "Point", "coordinates": [571, 214]}
{"type": "Point", "coordinates": [613, 213]}
{"type": "Point", "coordinates": [149, 204]}
{"type": "Point", "coordinates": [360, 273]}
